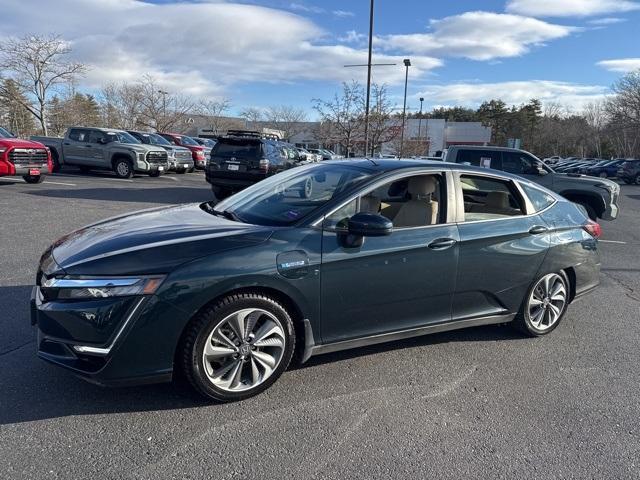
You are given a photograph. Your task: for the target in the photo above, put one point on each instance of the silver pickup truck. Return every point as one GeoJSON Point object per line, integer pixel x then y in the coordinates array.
{"type": "Point", "coordinates": [105, 149]}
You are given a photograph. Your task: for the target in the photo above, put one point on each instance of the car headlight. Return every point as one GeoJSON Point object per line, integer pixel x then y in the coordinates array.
{"type": "Point", "coordinates": [87, 288]}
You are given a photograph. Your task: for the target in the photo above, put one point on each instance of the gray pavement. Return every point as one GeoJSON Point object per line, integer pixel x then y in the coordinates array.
{"type": "Point", "coordinates": [477, 403]}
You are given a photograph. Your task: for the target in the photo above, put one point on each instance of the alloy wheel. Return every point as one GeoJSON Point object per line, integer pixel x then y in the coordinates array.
{"type": "Point", "coordinates": [547, 301]}
{"type": "Point", "coordinates": [243, 350]}
{"type": "Point", "coordinates": [122, 169]}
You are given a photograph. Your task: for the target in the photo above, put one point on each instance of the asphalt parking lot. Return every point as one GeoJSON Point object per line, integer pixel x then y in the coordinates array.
{"type": "Point", "coordinates": [481, 403]}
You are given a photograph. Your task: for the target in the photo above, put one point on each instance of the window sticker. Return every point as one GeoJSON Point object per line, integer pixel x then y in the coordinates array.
{"type": "Point", "coordinates": [485, 162]}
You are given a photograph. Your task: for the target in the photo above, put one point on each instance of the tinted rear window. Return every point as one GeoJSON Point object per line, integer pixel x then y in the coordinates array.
{"type": "Point", "coordinates": [237, 148]}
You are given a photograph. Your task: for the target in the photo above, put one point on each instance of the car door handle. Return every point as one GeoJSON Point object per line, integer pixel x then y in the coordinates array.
{"type": "Point", "coordinates": [538, 229]}
{"type": "Point", "coordinates": [441, 243]}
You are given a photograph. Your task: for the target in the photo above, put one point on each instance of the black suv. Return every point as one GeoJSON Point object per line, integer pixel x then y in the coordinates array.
{"type": "Point", "coordinates": [629, 171]}
{"type": "Point", "coordinates": [242, 158]}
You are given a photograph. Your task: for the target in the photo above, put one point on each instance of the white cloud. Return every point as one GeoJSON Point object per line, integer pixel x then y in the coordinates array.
{"type": "Point", "coordinates": [301, 7]}
{"type": "Point", "coordinates": [202, 48]}
{"type": "Point", "coordinates": [621, 64]}
{"type": "Point", "coordinates": [343, 13]}
{"type": "Point", "coordinates": [607, 21]}
{"type": "Point", "coordinates": [514, 93]}
{"type": "Point", "coordinates": [569, 8]}
{"type": "Point", "coordinates": [478, 35]}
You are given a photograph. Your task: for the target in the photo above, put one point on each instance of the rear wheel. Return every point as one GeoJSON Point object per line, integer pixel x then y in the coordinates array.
{"type": "Point", "coordinates": [238, 347]}
{"type": "Point", "coordinates": [123, 168]}
{"type": "Point", "coordinates": [221, 192]}
{"type": "Point", "coordinates": [637, 180]}
{"type": "Point", "coordinates": [545, 305]}
{"type": "Point", "coordinates": [55, 161]}
{"type": "Point", "coordinates": [33, 178]}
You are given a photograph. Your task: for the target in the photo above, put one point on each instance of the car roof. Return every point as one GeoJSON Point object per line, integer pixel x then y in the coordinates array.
{"type": "Point", "coordinates": [487, 147]}
{"type": "Point", "coordinates": [383, 165]}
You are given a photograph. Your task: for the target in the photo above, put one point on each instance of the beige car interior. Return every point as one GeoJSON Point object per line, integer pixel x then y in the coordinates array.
{"type": "Point", "coordinates": [417, 206]}
{"type": "Point", "coordinates": [494, 204]}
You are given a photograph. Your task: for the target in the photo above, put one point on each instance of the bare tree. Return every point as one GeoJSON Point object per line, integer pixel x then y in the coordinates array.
{"type": "Point", "coordinates": [595, 115]}
{"type": "Point", "coordinates": [285, 118]}
{"type": "Point", "coordinates": [382, 128]}
{"type": "Point", "coordinates": [214, 110]}
{"type": "Point", "coordinates": [252, 115]}
{"type": "Point", "coordinates": [161, 109]}
{"type": "Point", "coordinates": [38, 65]}
{"type": "Point", "coordinates": [121, 104]}
{"type": "Point", "coordinates": [343, 117]}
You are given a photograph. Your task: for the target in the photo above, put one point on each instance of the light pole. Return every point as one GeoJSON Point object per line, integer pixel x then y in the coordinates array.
{"type": "Point", "coordinates": [420, 118]}
{"type": "Point", "coordinates": [407, 64]}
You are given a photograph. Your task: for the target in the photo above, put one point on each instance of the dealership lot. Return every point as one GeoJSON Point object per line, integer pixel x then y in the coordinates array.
{"type": "Point", "coordinates": [480, 402]}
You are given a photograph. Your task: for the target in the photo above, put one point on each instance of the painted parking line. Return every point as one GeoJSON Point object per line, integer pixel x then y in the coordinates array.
{"type": "Point", "coordinates": [613, 241]}
{"type": "Point", "coordinates": [61, 183]}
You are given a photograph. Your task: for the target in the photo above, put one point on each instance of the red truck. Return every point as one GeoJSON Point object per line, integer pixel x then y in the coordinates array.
{"type": "Point", "coordinates": [25, 158]}
{"type": "Point", "coordinates": [197, 150]}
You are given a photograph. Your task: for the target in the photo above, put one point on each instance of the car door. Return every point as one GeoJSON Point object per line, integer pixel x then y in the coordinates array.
{"type": "Point", "coordinates": [501, 246]}
{"type": "Point", "coordinates": [392, 283]}
{"type": "Point", "coordinates": [74, 146]}
{"type": "Point", "coordinates": [96, 149]}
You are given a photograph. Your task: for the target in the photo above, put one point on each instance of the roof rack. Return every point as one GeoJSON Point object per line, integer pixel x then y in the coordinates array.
{"type": "Point", "coordinates": [251, 134]}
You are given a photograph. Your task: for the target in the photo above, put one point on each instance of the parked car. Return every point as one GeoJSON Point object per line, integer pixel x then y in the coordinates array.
{"type": "Point", "coordinates": [307, 155]}
{"type": "Point", "coordinates": [23, 158]}
{"type": "Point", "coordinates": [242, 158]}
{"type": "Point", "coordinates": [629, 172]}
{"type": "Point", "coordinates": [326, 154]}
{"type": "Point", "coordinates": [179, 158]}
{"type": "Point", "coordinates": [105, 149]}
{"type": "Point", "coordinates": [598, 196]}
{"type": "Point", "coordinates": [197, 150]}
{"type": "Point", "coordinates": [380, 251]}
{"type": "Point", "coordinates": [606, 169]}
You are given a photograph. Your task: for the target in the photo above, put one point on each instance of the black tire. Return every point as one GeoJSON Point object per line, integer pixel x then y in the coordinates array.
{"type": "Point", "coordinates": [123, 168]}
{"type": "Point", "coordinates": [192, 169]}
{"type": "Point", "coordinates": [157, 173]}
{"type": "Point", "coordinates": [55, 162]}
{"type": "Point", "coordinates": [221, 192]}
{"type": "Point", "coordinates": [628, 181]}
{"type": "Point", "coordinates": [33, 178]}
{"type": "Point", "coordinates": [181, 171]}
{"type": "Point", "coordinates": [197, 333]}
{"type": "Point", "coordinates": [637, 180]}
{"type": "Point", "coordinates": [590, 210]}
{"type": "Point", "coordinates": [523, 321]}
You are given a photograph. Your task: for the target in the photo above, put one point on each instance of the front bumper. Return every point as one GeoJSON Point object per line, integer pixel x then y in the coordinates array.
{"type": "Point", "coordinates": [105, 341]}
{"type": "Point", "coordinates": [611, 213]}
{"type": "Point", "coordinates": [22, 170]}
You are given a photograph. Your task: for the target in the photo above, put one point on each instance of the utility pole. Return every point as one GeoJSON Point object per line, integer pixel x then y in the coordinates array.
{"type": "Point", "coordinates": [368, 65]}
{"type": "Point", "coordinates": [164, 106]}
{"type": "Point", "coordinates": [420, 121]}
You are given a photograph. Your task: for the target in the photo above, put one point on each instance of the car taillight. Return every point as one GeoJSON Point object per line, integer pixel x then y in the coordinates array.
{"type": "Point", "coordinates": [593, 228]}
{"type": "Point", "coordinates": [264, 164]}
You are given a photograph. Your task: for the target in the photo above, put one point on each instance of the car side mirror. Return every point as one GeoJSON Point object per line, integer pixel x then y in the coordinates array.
{"type": "Point", "coordinates": [369, 225]}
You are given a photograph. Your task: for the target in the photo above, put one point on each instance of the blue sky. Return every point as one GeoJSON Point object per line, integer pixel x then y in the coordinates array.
{"type": "Point", "coordinates": [271, 52]}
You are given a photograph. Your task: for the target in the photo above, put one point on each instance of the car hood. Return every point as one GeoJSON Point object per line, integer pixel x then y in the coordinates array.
{"type": "Point", "coordinates": [19, 143]}
{"type": "Point", "coordinates": [142, 148]}
{"type": "Point", "coordinates": [581, 179]}
{"type": "Point", "coordinates": [151, 241]}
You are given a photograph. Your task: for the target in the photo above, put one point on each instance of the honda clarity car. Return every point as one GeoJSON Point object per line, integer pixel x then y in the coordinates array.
{"type": "Point", "coordinates": [227, 294]}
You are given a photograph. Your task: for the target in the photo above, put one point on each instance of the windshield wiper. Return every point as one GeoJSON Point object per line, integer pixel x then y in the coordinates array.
{"type": "Point", "coordinates": [228, 214]}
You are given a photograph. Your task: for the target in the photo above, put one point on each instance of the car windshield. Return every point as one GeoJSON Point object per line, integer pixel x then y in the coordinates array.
{"type": "Point", "coordinates": [289, 196]}
{"type": "Point", "coordinates": [124, 137]}
{"type": "Point", "coordinates": [206, 142]}
{"type": "Point", "coordinates": [189, 141]}
{"type": "Point", "coordinates": [156, 139]}
{"type": "Point", "coordinates": [4, 133]}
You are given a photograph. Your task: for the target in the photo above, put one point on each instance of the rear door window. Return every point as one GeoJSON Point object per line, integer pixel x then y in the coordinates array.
{"type": "Point", "coordinates": [79, 135]}
{"type": "Point", "coordinates": [480, 158]}
{"type": "Point", "coordinates": [487, 198]}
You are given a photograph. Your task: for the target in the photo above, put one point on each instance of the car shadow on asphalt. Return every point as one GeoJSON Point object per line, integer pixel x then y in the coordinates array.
{"type": "Point", "coordinates": [136, 195]}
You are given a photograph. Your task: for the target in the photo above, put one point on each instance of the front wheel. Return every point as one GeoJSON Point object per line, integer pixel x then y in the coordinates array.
{"type": "Point", "coordinates": [181, 170]}
{"type": "Point", "coordinates": [155, 173]}
{"type": "Point", "coordinates": [123, 168]}
{"type": "Point", "coordinates": [544, 306]}
{"type": "Point", "coordinates": [33, 178]}
{"type": "Point", "coordinates": [238, 347]}
{"type": "Point", "coordinates": [637, 181]}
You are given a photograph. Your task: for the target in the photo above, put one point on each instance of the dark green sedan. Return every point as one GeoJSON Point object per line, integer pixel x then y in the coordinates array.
{"type": "Point", "coordinates": [320, 258]}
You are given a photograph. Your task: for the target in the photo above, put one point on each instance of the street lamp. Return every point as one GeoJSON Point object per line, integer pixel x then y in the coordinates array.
{"type": "Point", "coordinates": [164, 103]}
{"type": "Point", "coordinates": [407, 64]}
{"type": "Point", "coordinates": [420, 118]}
